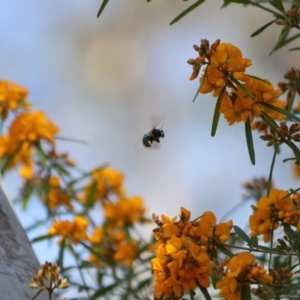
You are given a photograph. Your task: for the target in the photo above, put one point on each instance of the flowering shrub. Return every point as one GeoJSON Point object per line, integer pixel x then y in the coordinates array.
{"type": "Point", "coordinates": [95, 221]}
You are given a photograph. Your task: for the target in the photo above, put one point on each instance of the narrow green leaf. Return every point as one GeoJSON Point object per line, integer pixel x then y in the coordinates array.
{"type": "Point", "coordinates": [225, 251]}
{"type": "Point", "coordinates": [261, 29]}
{"type": "Point", "coordinates": [42, 238]}
{"type": "Point", "coordinates": [258, 78]}
{"type": "Point", "coordinates": [198, 90]}
{"type": "Point", "coordinates": [242, 234]}
{"type": "Point", "coordinates": [41, 155]}
{"type": "Point", "coordinates": [36, 295]}
{"type": "Point", "coordinates": [269, 120]}
{"type": "Point", "coordinates": [296, 152]}
{"type": "Point", "coordinates": [5, 162]}
{"type": "Point", "coordinates": [61, 138]}
{"type": "Point", "coordinates": [289, 231]}
{"type": "Point", "coordinates": [282, 111]}
{"type": "Point", "coordinates": [214, 280]}
{"type": "Point", "coordinates": [294, 49]}
{"type": "Point", "coordinates": [204, 291]}
{"type": "Point", "coordinates": [245, 292]}
{"type": "Point", "coordinates": [197, 93]}
{"type": "Point", "coordinates": [217, 113]}
{"type": "Point", "coordinates": [269, 185]}
{"type": "Point", "coordinates": [254, 241]}
{"type": "Point", "coordinates": [188, 10]}
{"type": "Point", "coordinates": [249, 140]}
{"type": "Point", "coordinates": [278, 4]}
{"type": "Point", "coordinates": [104, 2]}
{"type": "Point", "coordinates": [242, 87]}
{"type": "Point", "coordinates": [289, 40]}
{"type": "Point", "coordinates": [280, 41]}
{"type": "Point", "coordinates": [227, 2]}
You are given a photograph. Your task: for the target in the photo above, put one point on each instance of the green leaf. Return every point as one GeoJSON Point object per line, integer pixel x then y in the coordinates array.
{"type": "Point", "coordinates": [41, 155]}
{"type": "Point", "coordinates": [269, 185]}
{"type": "Point", "coordinates": [282, 111]}
{"type": "Point", "coordinates": [61, 138]}
{"type": "Point", "coordinates": [214, 280]}
{"type": "Point", "coordinates": [269, 120]}
{"type": "Point", "coordinates": [42, 238]}
{"type": "Point", "coordinates": [296, 152]}
{"type": "Point", "coordinates": [254, 241]}
{"type": "Point", "coordinates": [225, 251]}
{"type": "Point", "coordinates": [261, 29]}
{"type": "Point", "coordinates": [198, 90]}
{"type": "Point", "coordinates": [5, 162]}
{"type": "Point", "coordinates": [36, 295]}
{"type": "Point", "coordinates": [289, 40]}
{"type": "Point", "coordinates": [242, 234]}
{"type": "Point", "coordinates": [249, 140]}
{"type": "Point", "coordinates": [258, 78]}
{"type": "Point", "coordinates": [243, 88]}
{"type": "Point", "coordinates": [289, 231]}
{"type": "Point", "coordinates": [227, 2]}
{"type": "Point", "coordinates": [294, 49]}
{"type": "Point", "coordinates": [217, 113]}
{"type": "Point", "coordinates": [245, 292]}
{"type": "Point", "coordinates": [280, 41]}
{"type": "Point", "coordinates": [278, 4]}
{"type": "Point", "coordinates": [104, 2]}
{"type": "Point", "coordinates": [204, 291]}
{"type": "Point", "coordinates": [188, 10]}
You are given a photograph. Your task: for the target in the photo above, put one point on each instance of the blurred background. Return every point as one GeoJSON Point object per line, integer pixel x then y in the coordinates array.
{"type": "Point", "coordinates": [105, 81]}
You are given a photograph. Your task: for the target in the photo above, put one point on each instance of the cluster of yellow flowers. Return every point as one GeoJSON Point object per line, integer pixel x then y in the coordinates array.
{"type": "Point", "coordinates": [183, 252]}
{"type": "Point", "coordinates": [110, 242]}
{"type": "Point", "coordinates": [27, 131]}
{"type": "Point", "coordinates": [225, 69]}
{"type": "Point", "coordinates": [272, 211]}
{"type": "Point", "coordinates": [29, 144]}
{"type": "Point", "coordinates": [186, 252]}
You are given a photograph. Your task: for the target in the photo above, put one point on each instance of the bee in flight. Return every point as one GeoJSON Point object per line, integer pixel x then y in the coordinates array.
{"type": "Point", "coordinates": [153, 135]}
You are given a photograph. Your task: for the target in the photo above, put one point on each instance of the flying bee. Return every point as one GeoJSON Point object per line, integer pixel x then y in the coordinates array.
{"type": "Point", "coordinates": [153, 135]}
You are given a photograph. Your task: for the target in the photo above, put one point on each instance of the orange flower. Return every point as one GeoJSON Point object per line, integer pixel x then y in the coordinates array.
{"type": "Point", "coordinates": [75, 230]}
{"type": "Point", "coordinates": [241, 269]}
{"type": "Point", "coordinates": [271, 212]}
{"type": "Point", "coordinates": [124, 211]}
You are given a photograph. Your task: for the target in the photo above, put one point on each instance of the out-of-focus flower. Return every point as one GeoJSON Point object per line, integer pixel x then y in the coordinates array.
{"type": "Point", "coordinates": [12, 98]}
{"type": "Point", "coordinates": [75, 231]}
{"type": "Point", "coordinates": [105, 182]}
{"type": "Point", "coordinates": [124, 211]}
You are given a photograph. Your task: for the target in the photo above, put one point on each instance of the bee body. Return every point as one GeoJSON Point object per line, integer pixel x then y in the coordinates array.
{"type": "Point", "coordinates": [153, 135]}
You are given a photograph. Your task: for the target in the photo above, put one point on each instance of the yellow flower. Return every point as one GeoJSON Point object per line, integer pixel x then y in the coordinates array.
{"type": "Point", "coordinates": [271, 212]}
{"type": "Point", "coordinates": [180, 263]}
{"type": "Point", "coordinates": [27, 129]}
{"type": "Point", "coordinates": [241, 269]}
{"type": "Point", "coordinates": [31, 127]}
{"type": "Point", "coordinates": [12, 97]}
{"type": "Point", "coordinates": [75, 230]}
{"type": "Point", "coordinates": [104, 181]}
{"type": "Point", "coordinates": [56, 196]}
{"type": "Point", "coordinates": [97, 236]}
{"type": "Point", "coordinates": [124, 211]}
{"type": "Point", "coordinates": [126, 252]}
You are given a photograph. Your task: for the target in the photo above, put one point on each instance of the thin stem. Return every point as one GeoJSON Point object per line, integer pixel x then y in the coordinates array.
{"type": "Point", "coordinates": [255, 3]}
